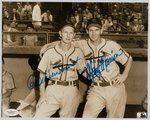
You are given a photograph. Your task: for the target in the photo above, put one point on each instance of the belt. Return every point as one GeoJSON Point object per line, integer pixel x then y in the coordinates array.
{"type": "Point", "coordinates": [64, 83]}
{"type": "Point", "coordinates": [103, 84]}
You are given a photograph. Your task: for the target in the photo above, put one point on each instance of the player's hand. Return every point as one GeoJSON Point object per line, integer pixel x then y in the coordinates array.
{"type": "Point", "coordinates": [42, 100]}
{"type": "Point", "coordinates": [119, 80]}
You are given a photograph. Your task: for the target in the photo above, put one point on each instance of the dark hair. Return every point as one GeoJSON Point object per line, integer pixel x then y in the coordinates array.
{"type": "Point", "coordinates": [30, 25]}
{"type": "Point", "coordinates": [33, 61]}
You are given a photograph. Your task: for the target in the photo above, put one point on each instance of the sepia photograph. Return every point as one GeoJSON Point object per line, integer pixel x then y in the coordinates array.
{"type": "Point", "coordinates": [74, 59]}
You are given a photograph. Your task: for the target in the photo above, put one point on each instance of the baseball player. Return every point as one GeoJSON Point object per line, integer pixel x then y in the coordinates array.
{"type": "Point", "coordinates": [102, 67]}
{"type": "Point", "coordinates": [107, 88]}
{"type": "Point", "coordinates": [59, 65]}
{"type": "Point", "coordinates": [8, 85]}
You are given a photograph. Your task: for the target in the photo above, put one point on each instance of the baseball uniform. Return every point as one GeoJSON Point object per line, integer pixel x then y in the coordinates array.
{"type": "Point", "coordinates": [8, 84]}
{"type": "Point", "coordinates": [98, 96]}
{"type": "Point", "coordinates": [102, 69]}
{"type": "Point", "coordinates": [61, 69]}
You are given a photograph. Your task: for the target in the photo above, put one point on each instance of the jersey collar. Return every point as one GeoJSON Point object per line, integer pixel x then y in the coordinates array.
{"type": "Point", "coordinates": [103, 41]}
{"type": "Point", "coordinates": [62, 52]}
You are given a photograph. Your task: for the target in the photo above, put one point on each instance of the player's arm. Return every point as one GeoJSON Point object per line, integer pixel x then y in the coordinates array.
{"type": "Point", "coordinates": [46, 46]}
{"type": "Point", "coordinates": [42, 84]}
{"type": "Point", "coordinates": [80, 62]}
{"type": "Point", "coordinates": [28, 100]}
{"type": "Point", "coordinates": [122, 77]}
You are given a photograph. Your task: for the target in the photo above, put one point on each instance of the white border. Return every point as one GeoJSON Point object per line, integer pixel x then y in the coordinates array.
{"type": "Point", "coordinates": [129, 1]}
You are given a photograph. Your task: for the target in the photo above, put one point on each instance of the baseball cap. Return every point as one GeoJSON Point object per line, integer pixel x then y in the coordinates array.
{"type": "Point", "coordinates": [94, 22]}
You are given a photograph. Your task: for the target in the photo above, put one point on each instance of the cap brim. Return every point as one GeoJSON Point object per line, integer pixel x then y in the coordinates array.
{"type": "Point", "coordinates": [93, 24]}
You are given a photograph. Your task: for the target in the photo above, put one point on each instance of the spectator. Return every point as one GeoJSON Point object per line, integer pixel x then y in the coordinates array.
{"type": "Point", "coordinates": [77, 17]}
{"type": "Point", "coordinates": [104, 28]}
{"type": "Point", "coordinates": [20, 10]}
{"type": "Point", "coordinates": [28, 7]}
{"type": "Point", "coordinates": [10, 39]}
{"type": "Point", "coordinates": [115, 14]}
{"type": "Point", "coordinates": [47, 17]}
{"type": "Point", "coordinates": [80, 13]}
{"type": "Point", "coordinates": [28, 10]}
{"type": "Point", "coordinates": [26, 16]}
{"type": "Point", "coordinates": [6, 14]}
{"type": "Point", "coordinates": [141, 26]}
{"type": "Point", "coordinates": [88, 14]}
{"type": "Point", "coordinates": [14, 17]}
{"type": "Point", "coordinates": [72, 19]}
{"type": "Point", "coordinates": [95, 12]}
{"type": "Point", "coordinates": [36, 16]}
{"type": "Point", "coordinates": [84, 13]}
{"type": "Point", "coordinates": [108, 22]}
{"type": "Point", "coordinates": [126, 12]}
{"type": "Point", "coordinates": [30, 39]}
{"type": "Point", "coordinates": [8, 86]}
{"type": "Point", "coordinates": [128, 21]}
{"type": "Point", "coordinates": [81, 27]}
{"type": "Point", "coordinates": [134, 27]}
{"type": "Point", "coordinates": [115, 28]}
{"type": "Point", "coordinates": [19, 5]}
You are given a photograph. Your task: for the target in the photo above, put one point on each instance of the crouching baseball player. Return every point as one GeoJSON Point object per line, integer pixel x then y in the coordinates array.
{"type": "Point", "coordinates": [59, 65]}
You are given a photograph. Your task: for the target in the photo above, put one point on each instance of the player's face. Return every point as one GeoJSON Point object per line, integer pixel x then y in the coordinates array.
{"type": "Point", "coordinates": [94, 33]}
{"type": "Point", "coordinates": [67, 34]}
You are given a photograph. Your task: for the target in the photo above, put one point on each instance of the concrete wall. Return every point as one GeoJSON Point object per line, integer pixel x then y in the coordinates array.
{"type": "Point", "coordinates": [136, 84]}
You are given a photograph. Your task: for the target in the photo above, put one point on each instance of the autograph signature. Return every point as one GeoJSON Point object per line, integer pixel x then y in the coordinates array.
{"type": "Point", "coordinates": [91, 71]}
{"type": "Point", "coordinates": [103, 63]}
{"type": "Point", "coordinates": [32, 84]}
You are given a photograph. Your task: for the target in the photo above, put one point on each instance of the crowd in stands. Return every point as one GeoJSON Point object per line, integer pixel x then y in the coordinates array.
{"type": "Point", "coordinates": [27, 13]}
{"type": "Point", "coordinates": [117, 20]}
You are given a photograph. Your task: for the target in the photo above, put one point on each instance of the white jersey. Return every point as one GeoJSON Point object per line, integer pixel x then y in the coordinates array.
{"type": "Point", "coordinates": [60, 65]}
{"type": "Point", "coordinates": [101, 60]}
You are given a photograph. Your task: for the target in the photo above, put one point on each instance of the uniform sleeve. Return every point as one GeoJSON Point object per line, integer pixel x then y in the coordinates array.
{"type": "Point", "coordinates": [79, 44]}
{"type": "Point", "coordinates": [43, 65]}
{"type": "Point", "coordinates": [45, 47]}
{"type": "Point", "coordinates": [119, 53]}
{"type": "Point", "coordinates": [10, 84]}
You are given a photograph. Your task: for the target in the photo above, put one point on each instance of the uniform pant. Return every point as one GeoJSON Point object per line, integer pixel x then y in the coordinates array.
{"type": "Point", "coordinates": [67, 98]}
{"type": "Point", "coordinates": [113, 98]}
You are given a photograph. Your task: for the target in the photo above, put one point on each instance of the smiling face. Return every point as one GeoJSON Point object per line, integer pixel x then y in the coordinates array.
{"type": "Point", "coordinates": [67, 34]}
{"type": "Point", "coordinates": [94, 33]}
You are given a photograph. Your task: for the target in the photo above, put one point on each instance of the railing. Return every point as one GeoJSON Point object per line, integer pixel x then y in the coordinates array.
{"type": "Point", "coordinates": [135, 44]}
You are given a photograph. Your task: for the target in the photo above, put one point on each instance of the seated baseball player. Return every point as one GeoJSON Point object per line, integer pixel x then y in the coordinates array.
{"type": "Point", "coordinates": [8, 85]}
{"type": "Point", "coordinates": [27, 106]}
{"type": "Point", "coordinates": [59, 65]}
